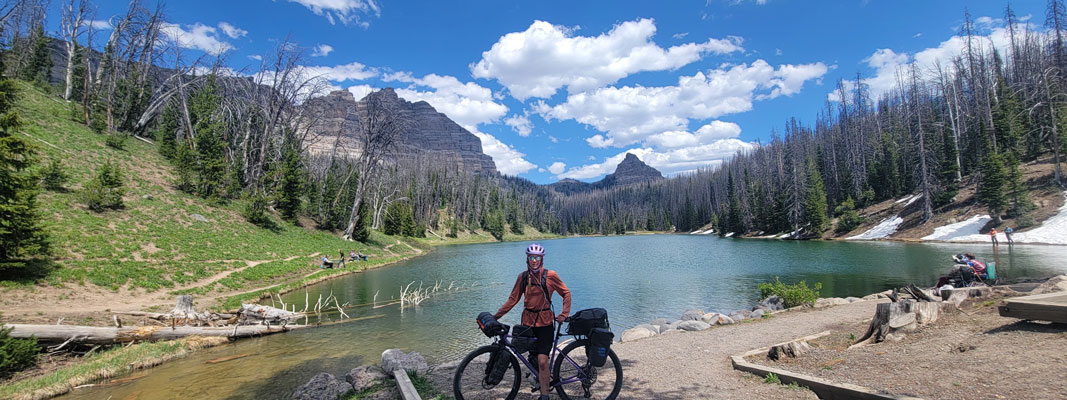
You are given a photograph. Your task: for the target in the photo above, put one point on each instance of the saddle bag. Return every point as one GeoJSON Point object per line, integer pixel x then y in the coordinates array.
{"type": "Point", "coordinates": [596, 349]}
{"type": "Point", "coordinates": [583, 322]}
{"type": "Point", "coordinates": [522, 338]}
{"type": "Point", "coordinates": [498, 365]}
{"type": "Point", "coordinates": [490, 326]}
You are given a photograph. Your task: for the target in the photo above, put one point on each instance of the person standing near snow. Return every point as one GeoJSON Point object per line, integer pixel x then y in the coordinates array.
{"type": "Point", "coordinates": [993, 235]}
{"type": "Point", "coordinates": [1007, 234]}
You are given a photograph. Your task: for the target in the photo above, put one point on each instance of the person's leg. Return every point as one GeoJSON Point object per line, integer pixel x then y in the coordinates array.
{"type": "Point", "coordinates": [542, 372]}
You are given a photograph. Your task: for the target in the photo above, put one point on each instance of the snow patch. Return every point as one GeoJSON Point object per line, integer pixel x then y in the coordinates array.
{"type": "Point", "coordinates": [903, 199]}
{"type": "Point", "coordinates": [882, 230]}
{"type": "Point", "coordinates": [964, 231]}
{"type": "Point", "coordinates": [1052, 231]}
{"type": "Point", "coordinates": [912, 200]}
{"type": "Point", "coordinates": [729, 234]}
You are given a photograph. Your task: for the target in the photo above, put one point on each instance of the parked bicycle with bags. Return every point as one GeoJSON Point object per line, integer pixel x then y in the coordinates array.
{"type": "Point", "coordinates": [585, 367]}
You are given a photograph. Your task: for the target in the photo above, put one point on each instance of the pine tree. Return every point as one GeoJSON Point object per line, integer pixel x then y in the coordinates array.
{"type": "Point", "coordinates": [106, 189]}
{"type": "Point", "coordinates": [991, 189]}
{"type": "Point", "coordinates": [39, 68]}
{"type": "Point", "coordinates": [54, 175]}
{"type": "Point", "coordinates": [495, 224]}
{"type": "Point", "coordinates": [21, 233]}
{"type": "Point", "coordinates": [291, 184]}
{"type": "Point", "coordinates": [210, 147]}
{"type": "Point", "coordinates": [166, 131]}
{"type": "Point", "coordinates": [362, 231]}
{"type": "Point", "coordinates": [815, 203]}
{"type": "Point", "coordinates": [407, 221]}
{"type": "Point", "coordinates": [734, 222]}
{"type": "Point", "coordinates": [949, 186]}
{"type": "Point", "coordinates": [392, 224]}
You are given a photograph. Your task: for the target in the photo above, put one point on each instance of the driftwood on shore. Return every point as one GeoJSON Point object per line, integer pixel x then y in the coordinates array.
{"type": "Point", "coordinates": [111, 335]}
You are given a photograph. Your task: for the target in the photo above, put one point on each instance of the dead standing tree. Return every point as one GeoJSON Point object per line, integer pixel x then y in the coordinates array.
{"type": "Point", "coordinates": [379, 125]}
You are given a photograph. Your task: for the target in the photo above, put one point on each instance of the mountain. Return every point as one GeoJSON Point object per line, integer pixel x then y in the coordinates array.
{"type": "Point", "coordinates": [630, 171]}
{"type": "Point", "coordinates": [431, 136]}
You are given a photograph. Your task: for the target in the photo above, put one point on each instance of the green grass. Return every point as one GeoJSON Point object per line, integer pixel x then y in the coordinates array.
{"type": "Point", "coordinates": [365, 393]}
{"type": "Point", "coordinates": [154, 243]}
{"type": "Point", "coordinates": [772, 378]}
{"type": "Point", "coordinates": [426, 388]}
{"type": "Point", "coordinates": [106, 364]}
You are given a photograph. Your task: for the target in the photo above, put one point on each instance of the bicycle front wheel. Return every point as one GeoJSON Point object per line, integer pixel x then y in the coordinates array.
{"type": "Point", "coordinates": [579, 380]}
{"type": "Point", "coordinates": [470, 381]}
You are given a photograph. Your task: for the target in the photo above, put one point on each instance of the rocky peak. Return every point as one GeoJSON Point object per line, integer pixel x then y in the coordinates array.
{"type": "Point", "coordinates": [432, 136]}
{"type": "Point", "coordinates": [633, 170]}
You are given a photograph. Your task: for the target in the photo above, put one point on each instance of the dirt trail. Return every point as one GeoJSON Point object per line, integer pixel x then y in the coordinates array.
{"type": "Point", "coordinates": [78, 304]}
{"type": "Point", "coordinates": [696, 365]}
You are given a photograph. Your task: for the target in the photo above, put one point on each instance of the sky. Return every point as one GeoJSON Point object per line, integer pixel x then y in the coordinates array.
{"type": "Point", "coordinates": [560, 89]}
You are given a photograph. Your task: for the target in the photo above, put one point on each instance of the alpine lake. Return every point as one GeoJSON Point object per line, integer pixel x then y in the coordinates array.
{"type": "Point", "coordinates": [635, 277]}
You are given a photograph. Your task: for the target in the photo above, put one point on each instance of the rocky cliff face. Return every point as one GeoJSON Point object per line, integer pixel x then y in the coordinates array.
{"type": "Point", "coordinates": [431, 137]}
{"type": "Point", "coordinates": [630, 171]}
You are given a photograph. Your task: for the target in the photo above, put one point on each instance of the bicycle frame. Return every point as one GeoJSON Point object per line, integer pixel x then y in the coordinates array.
{"type": "Point", "coordinates": [506, 342]}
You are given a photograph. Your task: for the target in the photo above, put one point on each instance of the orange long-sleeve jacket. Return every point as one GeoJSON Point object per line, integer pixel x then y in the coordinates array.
{"type": "Point", "coordinates": [536, 309]}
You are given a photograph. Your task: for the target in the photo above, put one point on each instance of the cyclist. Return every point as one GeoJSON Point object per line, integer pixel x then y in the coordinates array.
{"type": "Point", "coordinates": [537, 313]}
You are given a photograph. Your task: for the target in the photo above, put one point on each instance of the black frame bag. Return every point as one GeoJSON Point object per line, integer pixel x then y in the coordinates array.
{"type": "Point", "coordinates": [596, 348]}
{"type": "Point", "coordinates": [523, 338]}
{"type": "Point", "coordinates": [498, 365]}
{"type": "Point", "coordinates": [583, 322]}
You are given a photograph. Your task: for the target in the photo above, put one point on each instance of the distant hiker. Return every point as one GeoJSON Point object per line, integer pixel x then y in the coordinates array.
{"type": "Point", "coordinates": [967, 270]}
{"type": "Point", "coordinates": [352, 256]}
{"type": "Point", "coordinates": [340, 259]}
{"type": "Point", "coordinates": [326, 263]}
{"type": "Point", "coordinates": [993, 235]}
{"type": "Point", "coordinates": [1007, 234]}
{"type": "Point", "coordinates": [362, 256]}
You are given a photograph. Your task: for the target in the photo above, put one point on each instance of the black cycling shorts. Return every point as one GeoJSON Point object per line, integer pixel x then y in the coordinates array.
{"type": "Point", "coordinates": [545, 335]}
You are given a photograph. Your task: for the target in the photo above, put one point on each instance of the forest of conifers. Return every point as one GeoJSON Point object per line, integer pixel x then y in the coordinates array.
{"type": "Point", "coordinates": [243, 136]}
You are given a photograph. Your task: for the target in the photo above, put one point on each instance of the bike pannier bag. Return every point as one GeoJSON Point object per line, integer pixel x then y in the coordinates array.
{"type": "Point", "coordinates": [489, 325]}
{"type": "Point", "coordinates": [584, 321]}
{"type": "Point", "coordinates": [596, 348]}
{"type": "Point", "coordinates": [498, 365]}
{"type": "Point", "coordinates": [522, 338]}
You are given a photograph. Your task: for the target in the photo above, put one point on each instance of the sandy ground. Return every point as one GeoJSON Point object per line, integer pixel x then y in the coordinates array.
{"type": "Point", "coordinates": [974, 354]}
{"type": "Point", "coordinates": [695, 365]}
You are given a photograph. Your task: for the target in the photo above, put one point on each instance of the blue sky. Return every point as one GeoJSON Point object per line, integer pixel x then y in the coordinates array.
{"type": "Point", "coordinates": [564, 89]}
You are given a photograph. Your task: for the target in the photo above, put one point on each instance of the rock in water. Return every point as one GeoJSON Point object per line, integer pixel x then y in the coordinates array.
{"type": "Point", "coordinates": [394, 359]}
{"type": "Point", "coordinates": [636, 333]}
{"type": "Point", "coordinates": [692, 315]}
{"type": "Point", "coordinates": [773, 303]}
{"type": "Point", "coordinates": [322, 387]}
{"type": "Point", "coordinates": [364, 377]}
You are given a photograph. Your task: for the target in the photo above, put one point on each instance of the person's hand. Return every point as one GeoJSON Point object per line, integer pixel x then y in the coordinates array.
{"type": "Point", "coordinates": [560, 318]}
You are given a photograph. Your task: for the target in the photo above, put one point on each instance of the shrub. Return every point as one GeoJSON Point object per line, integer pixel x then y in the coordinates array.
{"type": "Point", "coordinates": [116, 140]}
{"type": "Point", "coordinates": [16, 354]}
{"type": "Point", "coordinates": [256, 210]}
{"type": "Point", "coordinates": [848, 219]}
{"type": "Point", "coordinates": [1025, 221]}
{"type": "Point", "coordinates": [105, 190]}
{"type": "Point", "coordinates": [792, 295]}
{"type": "Point", "coordinates": [54, 176]}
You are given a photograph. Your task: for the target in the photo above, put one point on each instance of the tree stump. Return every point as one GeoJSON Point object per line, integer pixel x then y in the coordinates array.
{"type": "Point", "coordinates": [904, 316]}
{"type": "Point", "coordinates": [184, 313]}
{"type": "Point", "coordinates": [792, 350]}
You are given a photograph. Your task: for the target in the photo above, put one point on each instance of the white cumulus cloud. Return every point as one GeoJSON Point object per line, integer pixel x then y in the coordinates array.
{"type": "Point", "coordinates": [520, 124]}
{"type": "Point", "coordinates": [508, 160]}
{"type": "Point", "coordinates": [232, 31]}
{"type": "Point", "coordinates": [668, 161]}
{"type": "Point", "coordinates": [467, 103]}
{"type": "Point", "coordinates": [557, 168]}
{"type": "Point", "coordinates": [545, 57]}
{"type": "Point", "coordinates": [343, 11]}
{"type": "Point", "coordinates": [322, 50]}
{"type": "Point", "coordinates": [198, 36]}
{"type": "Point", "coordinates": [339, 73]}
{"type": "Point", "coordinates": [632, 114]}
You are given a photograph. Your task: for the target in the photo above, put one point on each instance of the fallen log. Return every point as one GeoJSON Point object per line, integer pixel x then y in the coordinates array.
{"type": "Point", "coordinates": [904, 316]}
{"type": "Point", "coordinates": [111, 335]}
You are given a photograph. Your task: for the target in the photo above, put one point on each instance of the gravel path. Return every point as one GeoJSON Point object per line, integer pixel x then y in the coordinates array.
{"type": "Point", "coordinates": [696, 365]}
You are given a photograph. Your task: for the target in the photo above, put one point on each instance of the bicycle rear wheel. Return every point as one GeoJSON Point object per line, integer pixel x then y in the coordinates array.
{"type": "Point", "coordinates": [470, 383]}
{"type": "Point", "coordinates": [599, 382]}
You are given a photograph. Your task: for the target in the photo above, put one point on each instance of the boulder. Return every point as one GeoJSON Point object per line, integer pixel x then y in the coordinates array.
{"type": "Point", "coordinates": [198, 217]}
{"type": "Point", "coordinates": [671, 331]}
{"type": "Point", "coordinates": [772, 303]}
{"type": "Point", "coordinates": [364, 377]}
{"type": "Point", "coordinates": [323, 386]}
{"type": "Point", "coordinates": [853, 299]}
{"type": "Point", "coordinates": [394, 359]}
{"type": "Point", "coordinates": [636, 333]}
{"type": "Point", "coordinates": [147, 197]}
{"type": "Point", "coordinates": [710, 318]}
{"type": "Point", "coordinates": [1055, 284]}
{"type": "Point", "coordinates": [652, 328]}
{"type": "Point", "coordinates": [725, 320]}
{"type": "Point", "coordinates": [740, 315]}
{"type": "Point", "coordinates": [757, 314]}
{"type": "Point", "coordinates": [693, 326]}
{"type": "Point", "coordinates": [879, 295]}
{"type": "Point", "coordinates": [661, 328]}
{"type": "Point", "coordinates": [833, 301]}
{"type": "Point", "coordinates": [692, 315]}
{"type": "Point", "coordinates": [661, 321]}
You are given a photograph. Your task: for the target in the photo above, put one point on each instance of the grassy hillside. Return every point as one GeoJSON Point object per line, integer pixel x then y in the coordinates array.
{"type": "Point", "coordinates": [156, 243]}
